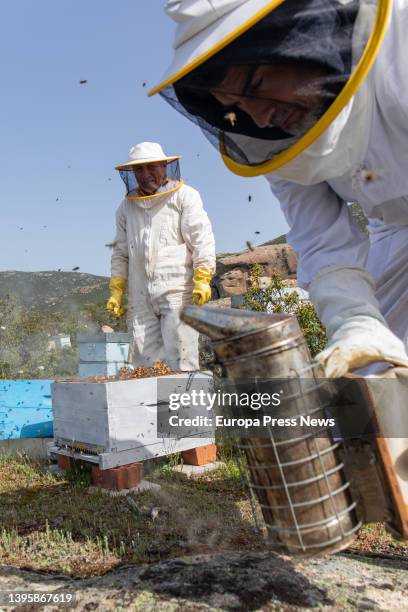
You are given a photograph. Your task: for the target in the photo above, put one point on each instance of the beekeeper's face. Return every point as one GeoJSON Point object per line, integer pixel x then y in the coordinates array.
{"type": "Point", "coordinates": [286, 95]}
{"type": "Point", "coordinates": [150, 176]}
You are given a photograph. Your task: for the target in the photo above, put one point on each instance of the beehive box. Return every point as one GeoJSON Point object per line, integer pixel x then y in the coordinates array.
{"type": "Point", "coordinates": [25, 409]}
{"type": "Point", "coordinates": [115, 423]}
{"type": "Point", "coordinates": [102, 354]}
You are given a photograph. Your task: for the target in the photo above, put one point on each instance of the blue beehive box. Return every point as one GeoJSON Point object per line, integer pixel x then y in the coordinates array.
{"type": "Point", "coordinates": [25, 409]}
{"type": "Point", "coordinates": [102, 354]}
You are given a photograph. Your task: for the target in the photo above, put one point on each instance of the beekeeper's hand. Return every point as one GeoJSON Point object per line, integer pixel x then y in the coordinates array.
{"type": "Point", "coordinates": [202, 289]}
{"type": "Point", "coordinates": [117, 287]}
{"type": "Point", "coordinates": [358, 334]}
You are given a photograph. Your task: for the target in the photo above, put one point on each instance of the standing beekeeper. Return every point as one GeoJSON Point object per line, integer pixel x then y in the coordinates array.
{"type": "Point", "coordinates": [313, 94]}
{"type": "Point", "coordinates": [165, 254]}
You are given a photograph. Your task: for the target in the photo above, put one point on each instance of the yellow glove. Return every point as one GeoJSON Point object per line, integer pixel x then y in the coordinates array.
{"type": "Point", "coordinates": [117, 287]}
{"type": "Point", "coordinates": [202, 289]}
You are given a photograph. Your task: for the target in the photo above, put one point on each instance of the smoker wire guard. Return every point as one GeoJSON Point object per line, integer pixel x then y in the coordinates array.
{"type": "Point", "coordinates": [340, 513]}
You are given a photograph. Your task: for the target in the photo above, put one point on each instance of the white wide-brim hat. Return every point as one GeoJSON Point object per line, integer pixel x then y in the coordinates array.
{"type": "Point", "coordinates": [204, 27]}
{"type": "Point", "coordinates": [146, 153]}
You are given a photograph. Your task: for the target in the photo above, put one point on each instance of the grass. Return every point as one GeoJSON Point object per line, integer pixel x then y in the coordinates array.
{"type": "Point", "coordinates": [56, 524]}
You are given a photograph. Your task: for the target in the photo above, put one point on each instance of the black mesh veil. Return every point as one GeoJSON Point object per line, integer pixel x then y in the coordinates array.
{"type": "Point", "coordinates": [170, 181]}
{"type": "Point", "coordinates": [264, 91]}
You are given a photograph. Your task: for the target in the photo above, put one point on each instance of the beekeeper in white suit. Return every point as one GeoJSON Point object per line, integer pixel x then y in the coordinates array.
{"type": "Point", "coordinates": [313, 94]}
{"type": "Point", "coordinates": [164, 254]}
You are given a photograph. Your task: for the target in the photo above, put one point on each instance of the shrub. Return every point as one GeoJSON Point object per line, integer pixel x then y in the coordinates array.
{"type": "Point", "coordinates": [276, 298]}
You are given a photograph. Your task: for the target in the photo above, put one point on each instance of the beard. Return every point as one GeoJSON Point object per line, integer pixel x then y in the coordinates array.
{"type": "Point", "coordinates": [304, 123]}
{"type": "Point", "coordinates": [316, 99]}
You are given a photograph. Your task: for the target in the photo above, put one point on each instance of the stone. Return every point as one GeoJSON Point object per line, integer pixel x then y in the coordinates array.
{"type": "Point", "coordinates": [197, 470]}
{"type": "Point", "coordinates": [233, 273]}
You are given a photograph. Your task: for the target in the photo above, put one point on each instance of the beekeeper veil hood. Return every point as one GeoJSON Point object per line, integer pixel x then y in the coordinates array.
{"type": "Point", "coordinates": [149, 173]}
{"type": "Point", "coordinates": [266, 80]}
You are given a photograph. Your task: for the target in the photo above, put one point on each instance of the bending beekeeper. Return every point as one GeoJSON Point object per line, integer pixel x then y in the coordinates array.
{"type": "Point", "coordinates": [164, 254]}
{"type": "Point", "coordinates": [313, 94]}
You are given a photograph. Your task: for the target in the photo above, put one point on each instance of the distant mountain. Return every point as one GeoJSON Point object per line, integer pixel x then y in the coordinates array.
{"type": "Point", "coordinates": [54, 291]}
{"type": "Point", "coordinates": [62, 291]}
{"type": "Point", "coordinates": [279, 240]}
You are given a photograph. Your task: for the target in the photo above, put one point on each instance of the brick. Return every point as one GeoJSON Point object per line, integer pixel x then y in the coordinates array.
{"type": "Point", "coordinates": [119, 478]}
{"type": "Point", "coordinates": [65, 463]}
{"type": "Point", "coordinates": [200, 455]}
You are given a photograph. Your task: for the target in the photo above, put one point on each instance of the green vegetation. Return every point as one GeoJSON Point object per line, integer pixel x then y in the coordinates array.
{"type": "Point", "coordinates": [58, 524]}
{"type": "Point", "coordinates": [25, 336]}
{"type": "Point", "coordinates": [169, 466]}
{"type": "Point", "coordinates": [49, 522]}
{"type": "Point", "coordinates": [276, 298]}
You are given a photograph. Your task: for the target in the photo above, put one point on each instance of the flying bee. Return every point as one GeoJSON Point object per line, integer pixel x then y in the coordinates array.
{"type": "Point", "coordinates": [369, 176]}
{"type": "Point", "coordinates": [231, 117]}
{"type": "Point", "coordinates": [111, 245]}
{"type": "Point", "coordinates": [364, 176]}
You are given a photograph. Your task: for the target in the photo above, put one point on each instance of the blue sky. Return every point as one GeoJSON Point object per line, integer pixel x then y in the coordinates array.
{"type": "Point", "coordinates": [60, 139]}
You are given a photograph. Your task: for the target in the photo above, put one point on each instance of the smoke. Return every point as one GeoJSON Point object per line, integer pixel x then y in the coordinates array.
{"type": "Point", "coordinates": [25, 343]}
{"type": "Point", "coordinates": [199, 527]}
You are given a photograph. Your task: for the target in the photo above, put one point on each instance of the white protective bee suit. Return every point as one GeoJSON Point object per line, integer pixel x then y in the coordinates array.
{"type": "Point", "coordinates": [358, 284]}
{"type": "Point", "coordinates": [160, 239]}
{"type": "Point", "coordinates": [322, 231]}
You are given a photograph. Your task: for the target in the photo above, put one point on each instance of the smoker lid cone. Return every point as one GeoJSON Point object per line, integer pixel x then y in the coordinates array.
{"type": "Point", "coordinates": [221, 323]}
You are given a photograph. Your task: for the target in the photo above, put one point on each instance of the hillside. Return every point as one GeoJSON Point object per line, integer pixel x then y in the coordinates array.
{"type": "Point", "coordinates": [279, 240]}
{"type": "Point", "coordinates": [62, 291]}
{"type": "Point", "coordinates": [54, 291]}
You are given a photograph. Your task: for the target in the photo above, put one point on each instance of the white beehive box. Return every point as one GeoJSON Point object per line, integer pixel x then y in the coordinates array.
{"type": "Point", "coordinates": [102, 354]}
{"type": "Point", "coordinates": [115, 423]}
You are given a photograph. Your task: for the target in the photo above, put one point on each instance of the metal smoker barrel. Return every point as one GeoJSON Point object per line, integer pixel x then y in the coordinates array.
{"type": "Point", "coordinates": [296, 474]}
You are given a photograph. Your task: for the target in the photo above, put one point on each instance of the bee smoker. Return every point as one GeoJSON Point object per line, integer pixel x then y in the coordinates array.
{"type": "Point", "coordinates": [296, 474]}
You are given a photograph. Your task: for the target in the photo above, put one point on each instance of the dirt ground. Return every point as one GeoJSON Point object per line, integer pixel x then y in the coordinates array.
{"type": "Point", "coordinates": [231, 581]}
{"type": "Point", "coordinates": [201, 552]}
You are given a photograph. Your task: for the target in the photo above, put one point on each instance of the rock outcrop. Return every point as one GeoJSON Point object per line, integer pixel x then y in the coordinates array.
{"type": "Point", "coordinates": [233, 275]}
{"type": "Point", "coordinates": [231, 581]}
